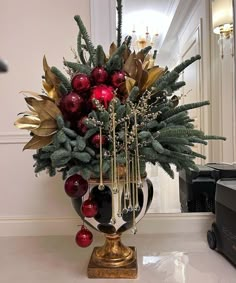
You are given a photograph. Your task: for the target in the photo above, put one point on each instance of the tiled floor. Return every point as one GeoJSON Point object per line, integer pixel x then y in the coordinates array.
{"type": "Point", "coordinates": [183, 258]}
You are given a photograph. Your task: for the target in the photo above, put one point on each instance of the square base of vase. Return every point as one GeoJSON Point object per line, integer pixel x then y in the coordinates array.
{"type": "Point", "coordinates": [129, 271]}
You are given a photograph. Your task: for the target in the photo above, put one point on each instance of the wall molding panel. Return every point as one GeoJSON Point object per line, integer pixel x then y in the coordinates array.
{"type": "Point", "coordinates": [152, 223]}
{"type": "Point", "coordinates": [14, 137]}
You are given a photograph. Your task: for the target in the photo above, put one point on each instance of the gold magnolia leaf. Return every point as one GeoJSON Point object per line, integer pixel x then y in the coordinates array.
{"type": "Point", "coordinates": [32, 93]}
{"type": "Point", "coordinates": [129, 84]}
{"type": "Point", "coordinates": [126, 54]}
{"type": "Point", "coordinates": [45, 108]}
{"type": "Point", "coordinates": [50, 77]}
{"type": "Point", "coordinates": [45, 97]}
{"type": "Point", "coordinates": [143, 80]}
{"type": "Point", "coordinates": [53, 94]}
{"type": "Point", "coordinates": [140, 56]}
{"type": "Point", "coordinates": [38, 142]}
{"type": "Point", "coordinates": [28, 113]}
{"type": "Point", "coordinates": [46, 128]}
{"type": "Point", "coordinates": [112, 49]}
{"type": "Point", "coordinates": [151, 63]}
{"type": "Point", "coordinates": [27, 123]}
{"type": "Point", "coordinates": [130, 65]}
{"type": "Point", "coordinates": [51, 90]}
{"type": "Point", "coordinates": [153, 74]}
{"type": "Point", "coordinates": [145, 65]}
{"type": "Point", "coordinates": [139, 71]}
{"type": "Point", "coordinates": [46, 86]}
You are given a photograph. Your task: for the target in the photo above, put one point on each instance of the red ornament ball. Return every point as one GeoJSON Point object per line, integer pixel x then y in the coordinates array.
{"type": "Point", "coordinates": [76, 186]}
{"type": "Point", "coordinates": [103, 93]}
{"type": "Point", "coordinates": [72, 103]}
{"type": "Point", "coordinates": [84, 237]}
{"type": "Point", "coordinates": [80, 125]}
{"type": "Point", "coordinates": [96, 140]}
{"type": "Point", "coordinates": [80, 83]}
{"type": "Point", "coordinates": [99, 75]}
{"type": "Point", "coordinates": [117, 78]}
{"type": "Point", "coordinates": [89, 208]}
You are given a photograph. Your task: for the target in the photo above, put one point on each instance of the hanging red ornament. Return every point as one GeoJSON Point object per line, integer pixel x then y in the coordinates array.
{"type": "Point", "coordinates": [81, 126]}
{"type": "Point", "coordinates": [96, 140]}
{"type": "Point", "coordinates": [103, 93]}
{"type": "Point", "coordinates": [80, 83]}
{"type": "Point", "coordinates": [99, 75]}
{"type": "Point", "coordinates": [84, 237]}
{"type": "Point", "coordinates": [89, 208]}
{"type": "Point", "coordinates": [76, 186]}
{"type": "Point", "coordinates": [72, 103]}
{"type": "Point", "coordinates": [117, 78]}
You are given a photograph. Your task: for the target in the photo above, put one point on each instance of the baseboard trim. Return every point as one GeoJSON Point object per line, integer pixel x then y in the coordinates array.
{"type": "Point", "coordinates": [151, 223]}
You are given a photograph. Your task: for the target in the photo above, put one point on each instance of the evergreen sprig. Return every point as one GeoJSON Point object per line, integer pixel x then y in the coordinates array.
{"type": "Point", "coordinates": [87, 40]}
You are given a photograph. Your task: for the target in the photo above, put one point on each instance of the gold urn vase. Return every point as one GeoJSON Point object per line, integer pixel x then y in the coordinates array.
{"type": "Point", "coordinates": [118, 211]}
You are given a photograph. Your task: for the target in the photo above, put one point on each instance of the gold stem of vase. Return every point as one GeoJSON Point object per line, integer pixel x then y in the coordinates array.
{"type": "Point", "coordinates": [113, 253]}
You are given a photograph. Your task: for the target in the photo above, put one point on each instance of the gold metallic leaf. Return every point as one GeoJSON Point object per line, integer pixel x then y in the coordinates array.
{"type": "Point", "coordinates": [140, 56]}
{"type": "Point", "coordinates": [32, 93]}
{"type": "Point", "coordinates": [153, 74]}
{"type": "Point", "coordinates": [47, 86]}
{"type": "Point", "coordinates": [38, 142]}
{"type": "Point", "coordinates": [51, 91]}
{"type": "Point", "coordinates": [28, 113]}
{"type": "Point", "coordinates": [45, 108]}
{"type": "Point", "coordinates": [145, 65]}
{"type": "Point", "coordinates": [143, 80]}
{"type": "Point", "coordinates": [150, 63]}
{"type": "Point", "coordinates": [126, 54]}
{"type": "Point", "coordinates": [27, 123]}
{"type": "Point", "coordinates": [139, 71]}
{"type": "Point", "coordinates": [45, 97]}
{"type": "Point", "coordinates": [53, 94]}
{"type": "Point", "coordinates": [130, 66]}
{"type": "Point", "coordinates": [46, 128]}
{"type": "Point", "coordinates": [129, 84]}
{"type": "Point", "coordinates": [113, 48]}
{"type": "Point", "coordinates": [50, 77]}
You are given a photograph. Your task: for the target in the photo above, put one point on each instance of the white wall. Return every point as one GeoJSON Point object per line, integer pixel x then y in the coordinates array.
{"type": "Point", "coordinates": [28, 30]}
{"type": "Point", "coordinates": [223, 102]}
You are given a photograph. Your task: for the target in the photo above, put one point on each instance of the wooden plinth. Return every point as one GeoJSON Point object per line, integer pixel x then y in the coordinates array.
{"type": "Point", "coordinates": [129, 271]}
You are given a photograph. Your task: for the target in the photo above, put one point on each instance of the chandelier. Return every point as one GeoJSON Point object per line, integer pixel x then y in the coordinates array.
{"type": "Point", "coordinates": [140, 41]}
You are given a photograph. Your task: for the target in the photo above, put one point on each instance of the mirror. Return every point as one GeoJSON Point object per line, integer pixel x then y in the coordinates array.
{"type": "Point", "coordinates": [178, 30]}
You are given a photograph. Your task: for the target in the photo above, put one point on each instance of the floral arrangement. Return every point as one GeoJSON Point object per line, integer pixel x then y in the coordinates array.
{"type": "Point", "coordinates": [121, 102]}
{"type": "Point", "coordinates": [108, 117]}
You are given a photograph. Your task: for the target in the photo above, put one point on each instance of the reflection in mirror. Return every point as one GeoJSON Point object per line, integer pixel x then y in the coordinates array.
{"type": "Point", "coordinates": [178, 30]}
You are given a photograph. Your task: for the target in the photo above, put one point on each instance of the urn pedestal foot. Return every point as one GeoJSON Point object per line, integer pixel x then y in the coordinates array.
{"type": "Point", "coordinates": [113, 260]}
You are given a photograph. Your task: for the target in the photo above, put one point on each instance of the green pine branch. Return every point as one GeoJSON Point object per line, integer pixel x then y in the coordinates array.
{"type": "Point", "coordinates": [76, 67]}
{"type": "Point", "coordinates": [184, 107]}
{"type": "Point", "coordinates": [62, 78]}
{"type": "Point", "coordinates": [87, 40]}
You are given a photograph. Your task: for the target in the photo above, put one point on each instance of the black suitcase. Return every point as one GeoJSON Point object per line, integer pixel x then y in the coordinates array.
{"type": "Point", "coordinates": [222, 236]}
{"type": "Point", "coordinates": [197, 189]}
